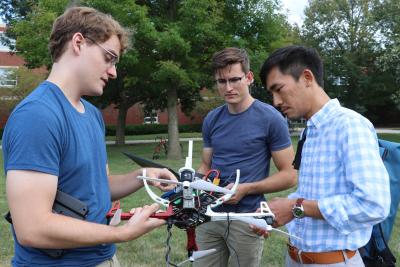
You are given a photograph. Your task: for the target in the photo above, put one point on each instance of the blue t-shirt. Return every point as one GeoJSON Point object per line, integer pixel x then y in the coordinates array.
{"type": "Point", "coordinates": [45, 133]}
{"type": "Point", "coordinates": [244, 141]}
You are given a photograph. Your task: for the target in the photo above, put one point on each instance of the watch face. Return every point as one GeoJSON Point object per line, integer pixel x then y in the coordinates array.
{"type": "Point", "coordinates": [298, 212]}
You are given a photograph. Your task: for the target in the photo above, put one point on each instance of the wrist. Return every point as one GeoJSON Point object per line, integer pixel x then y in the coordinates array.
{"type": "Point", "coordinates": [298, 209]}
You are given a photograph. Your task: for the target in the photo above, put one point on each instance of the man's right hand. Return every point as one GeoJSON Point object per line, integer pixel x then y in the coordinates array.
{"type": "Point", "coordinates": [141, 223]}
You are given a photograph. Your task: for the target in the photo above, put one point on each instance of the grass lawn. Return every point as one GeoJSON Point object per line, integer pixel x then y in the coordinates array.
{"type": "Point", "coordinates": [149, 250]}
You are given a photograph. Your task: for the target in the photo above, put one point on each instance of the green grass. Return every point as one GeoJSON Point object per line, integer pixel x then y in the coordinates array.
{"type": "Point", "coordinates": [390, 137]}
{"type": "Point", "coordinates": [149, 250]}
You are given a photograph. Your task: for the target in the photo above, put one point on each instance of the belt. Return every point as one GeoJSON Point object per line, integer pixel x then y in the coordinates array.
{"type": "Point", "coordinates": [328, 257]}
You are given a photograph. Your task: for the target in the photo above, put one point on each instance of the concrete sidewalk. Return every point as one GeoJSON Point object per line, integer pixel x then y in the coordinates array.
{"type": "Point", "coordinates": [129, 142]}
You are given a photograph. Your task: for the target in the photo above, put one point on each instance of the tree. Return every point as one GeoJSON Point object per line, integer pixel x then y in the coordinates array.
{"type": "Point", "coordinates": [389, 26]}
{"type": "Point", "coordinates": [347, 35]}
{"type": "Point", "coordinates": [181, 52]}
{"type": "Point", "coordinates": [191, 31]}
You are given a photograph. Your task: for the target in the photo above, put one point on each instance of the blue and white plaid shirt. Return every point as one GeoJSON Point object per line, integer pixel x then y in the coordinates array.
{"type": "Point", "coordinates": [340, 168]}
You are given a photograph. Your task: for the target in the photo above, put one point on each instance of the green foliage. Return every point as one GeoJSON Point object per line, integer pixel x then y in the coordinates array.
{"type": "Point", "coordinates": [152, 129]}
{"type": "Point", "coordinates": [349, 38]}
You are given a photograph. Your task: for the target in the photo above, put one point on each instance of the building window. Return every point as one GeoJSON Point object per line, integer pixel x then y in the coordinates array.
{"type": "Point", "coordinates": [8, 77]}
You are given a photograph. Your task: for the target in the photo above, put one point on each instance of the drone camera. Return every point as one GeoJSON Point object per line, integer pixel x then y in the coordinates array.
{"type": "Point", "coordinates": [187, 175]}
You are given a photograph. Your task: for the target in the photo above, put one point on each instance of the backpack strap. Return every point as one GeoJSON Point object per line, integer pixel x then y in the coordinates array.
{"type": "Point", "coordinates": [297, 158]}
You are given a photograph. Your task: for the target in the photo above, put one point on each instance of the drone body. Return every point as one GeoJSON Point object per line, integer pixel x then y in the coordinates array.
{"type": "Point", "coordinates": [190, 203]}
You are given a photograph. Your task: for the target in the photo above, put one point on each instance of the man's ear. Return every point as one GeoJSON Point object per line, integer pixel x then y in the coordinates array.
{"type": "Point", "coordinates": [77, 41]}
{"type": "Point", "coordinates": [308, 77]}
{"type": "Point", "coordinates": [250, 77]}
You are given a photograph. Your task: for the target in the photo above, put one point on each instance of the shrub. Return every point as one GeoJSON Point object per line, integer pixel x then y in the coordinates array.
{"type": "Point", "coordinates": [152, 129]}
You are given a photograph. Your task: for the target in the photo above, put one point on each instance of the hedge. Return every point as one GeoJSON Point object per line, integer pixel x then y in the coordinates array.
{"type": "Point", "coordinates": [152, 129]}
{"type": "Point", "coordinates": [147, 129]}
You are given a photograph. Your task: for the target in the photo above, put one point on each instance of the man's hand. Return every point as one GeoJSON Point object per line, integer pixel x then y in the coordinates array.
{"type": "Point", "coordinates": [141, 223]}
{"type": "Point", "coordinates": [257, 230]}
{"type": "Point", "coordinates": [240, 192]}
{"type": "Point", "coordinates": [282, 208]}
{"type": "Point", "coordinates": [161, 174]}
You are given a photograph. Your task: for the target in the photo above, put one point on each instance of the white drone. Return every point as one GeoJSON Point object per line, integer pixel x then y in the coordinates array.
{"type": "Point", "coordinates": [191, 203]}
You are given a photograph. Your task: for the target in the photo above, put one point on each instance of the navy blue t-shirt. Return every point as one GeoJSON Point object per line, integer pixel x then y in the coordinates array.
{"type": "Point", "coordinates": [244, 141]}
{"type": "Point", "coordinates": [45, 133]}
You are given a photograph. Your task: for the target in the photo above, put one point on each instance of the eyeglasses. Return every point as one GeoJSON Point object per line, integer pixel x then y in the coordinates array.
{"type": "Point", "coordinates": [234, 81]}
{"type": "Point", "coordinates": [110, 57]}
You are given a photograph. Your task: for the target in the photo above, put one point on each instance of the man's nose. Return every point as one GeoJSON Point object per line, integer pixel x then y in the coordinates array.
{"type": "Point", "coordinates": [276, 100]}
{"type": "Point", "coordinates": [228, 86]}
{"type": "Point", "coordinates": [112, 72]}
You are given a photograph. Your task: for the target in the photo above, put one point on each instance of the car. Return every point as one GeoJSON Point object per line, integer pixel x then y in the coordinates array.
{"type": "Point", "coordinates": [150, 120]}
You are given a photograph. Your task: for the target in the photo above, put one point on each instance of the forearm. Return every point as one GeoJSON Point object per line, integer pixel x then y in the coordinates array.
{"type": "Point", "coordinates": [203, 168]}
{"type": "Point", "coordinates": [58, 231]}
{"type": "Point", "coordinates": [279, 181]}
{"type": "Point", "coordinates": [124, 184]}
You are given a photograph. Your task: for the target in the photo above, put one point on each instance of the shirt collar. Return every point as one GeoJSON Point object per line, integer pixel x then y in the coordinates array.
{"type": "Point", "coordinates": [321, 116]}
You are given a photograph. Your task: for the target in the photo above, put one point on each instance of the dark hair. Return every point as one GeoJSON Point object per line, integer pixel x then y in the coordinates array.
{"type": "Point", "coordinates": [91, 23]}
{"type": "Point", "coordinates": [293, 60]}
{"type": "Point", "coordinates": [230, 56]}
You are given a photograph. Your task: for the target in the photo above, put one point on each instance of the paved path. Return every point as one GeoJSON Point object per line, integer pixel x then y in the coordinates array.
{"type": "Point", "coordinates": [129, 142]}
{"type": "Point", "coordinates": [383, 130]}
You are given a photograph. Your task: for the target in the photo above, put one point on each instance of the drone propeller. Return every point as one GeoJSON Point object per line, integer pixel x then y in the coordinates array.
{"type": "Point", "coordinates": [260, 223]}
{"type": "Point", "coordinates": [197, 255]}
{"type": "Point", "coordinates": [116, 219]}
{"type": "Point", "coordinates": [198, 184]}
{"type": "Point", "coordinates": [207, 186]}
{"type": "Point", "coordinates": [142, 162]}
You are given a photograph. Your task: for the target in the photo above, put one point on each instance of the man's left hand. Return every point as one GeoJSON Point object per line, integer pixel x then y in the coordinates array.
{"type": "Point", "coordinates": [241, 191]}
{"type": "Point", "coordinates": [161, 174]}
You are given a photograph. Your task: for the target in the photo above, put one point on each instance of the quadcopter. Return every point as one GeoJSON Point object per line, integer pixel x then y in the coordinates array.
{"type": "Point", "coordinates": [191, 202]}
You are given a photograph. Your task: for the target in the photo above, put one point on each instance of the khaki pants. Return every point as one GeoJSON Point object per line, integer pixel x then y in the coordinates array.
{"type": "Point", "coordinates": [113, 262]}
{"type": "Point", "coordinates": [236, 246]}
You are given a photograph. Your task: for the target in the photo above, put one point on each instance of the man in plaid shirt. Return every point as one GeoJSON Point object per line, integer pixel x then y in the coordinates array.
{"type": "Point", "coordinates": [343, 186]}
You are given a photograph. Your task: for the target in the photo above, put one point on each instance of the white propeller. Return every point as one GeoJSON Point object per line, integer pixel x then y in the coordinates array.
{"type": "Point", "coordinates": [207, 186]}
{"type": "Point", "coordinates": [198, 184]}
{"type": "Point", "coordinates": [197, 255]}
{"type": "Point", "coordinates": [260, 223]}
{"type": "Point", "coordinates": [116, 219]}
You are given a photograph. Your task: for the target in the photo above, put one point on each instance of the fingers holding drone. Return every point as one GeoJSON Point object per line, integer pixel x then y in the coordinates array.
{"type": "Point", "coordinates": [282, 208]}
{"type": "Point", "coordinates": [161, 174]}
{"type": "Point", "coordinates": [141, 223]}
{"type": "Point", "coordinates": [259, 231]}
{"type": "Point", "coordinates": [241, 191]}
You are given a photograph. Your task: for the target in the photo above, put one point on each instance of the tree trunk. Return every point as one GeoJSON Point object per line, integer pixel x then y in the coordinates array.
{"type": "Point", "coordinates": [120, 128]}
{"type": "Point", "coordinates": [174, 149]}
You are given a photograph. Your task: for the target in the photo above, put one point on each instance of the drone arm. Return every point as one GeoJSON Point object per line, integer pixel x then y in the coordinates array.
{"type": "Point", "coordinates": [226, 197]}
{"type": "Point", "coordinates": [153, 196]}
{"type": "Point", "coordinates": [191, 241]}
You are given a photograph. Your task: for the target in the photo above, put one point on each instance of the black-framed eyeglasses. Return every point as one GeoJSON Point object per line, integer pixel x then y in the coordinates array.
{"type": "Point", "coordinates": [110, 57]}
{"type": "Point", "coordinates": [234, 81]}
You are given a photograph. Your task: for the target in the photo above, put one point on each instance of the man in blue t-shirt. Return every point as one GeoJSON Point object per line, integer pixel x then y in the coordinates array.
{"type": "Point", "coordinates": [244, 134]}
{"type": "Point", "coordinates": [54, 140]}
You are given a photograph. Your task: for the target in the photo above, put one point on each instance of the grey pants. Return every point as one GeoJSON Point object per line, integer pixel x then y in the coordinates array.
{"type": "Point", "coordinates": [113, 262]}
{"type": "Point", "coordinates": [355, 261]}
{"type": "Point", "coordinates": [237, 247]}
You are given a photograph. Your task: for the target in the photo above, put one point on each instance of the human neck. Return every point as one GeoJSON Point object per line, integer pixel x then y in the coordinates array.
{"type": "Point", "coordinates": [320, 98]}
{"type": "Point", "coordinates": [241, 106]}
{"type": "Point", "coordinates": [64, 79]}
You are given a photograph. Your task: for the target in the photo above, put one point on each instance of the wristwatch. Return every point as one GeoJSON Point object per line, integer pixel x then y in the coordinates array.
{"type": "Point", "coordinates": [298, 210]}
